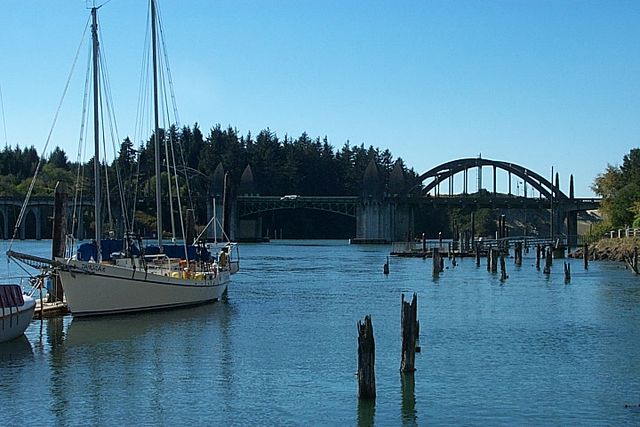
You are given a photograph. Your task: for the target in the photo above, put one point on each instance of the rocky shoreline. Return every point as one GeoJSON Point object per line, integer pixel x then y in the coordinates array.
{"type": "Point", "coordinates": [610, 249]}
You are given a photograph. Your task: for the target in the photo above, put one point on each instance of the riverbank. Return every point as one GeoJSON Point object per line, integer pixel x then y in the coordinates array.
{"type": "Point", "coordinates": [610, 249]}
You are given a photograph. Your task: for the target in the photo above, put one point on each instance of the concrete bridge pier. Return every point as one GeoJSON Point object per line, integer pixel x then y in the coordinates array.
{"type": "Point", "coordinates": [383, 221]}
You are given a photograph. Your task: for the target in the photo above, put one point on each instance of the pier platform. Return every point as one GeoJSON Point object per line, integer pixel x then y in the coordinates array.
{"type": "Point", "coordinates": [50, 309]}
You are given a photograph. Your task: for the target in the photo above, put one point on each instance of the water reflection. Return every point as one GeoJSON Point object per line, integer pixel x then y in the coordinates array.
{"type": "Point", "coordinates": [127, 327]}
{"type": "Point", "coordinates": [366, 412]}
{"type": "Point", "coordinates": [15, 353]}
{"type": "Point", "coordinates": [409, 413]}
{"type": "Point", "coordinates": [152, 356]}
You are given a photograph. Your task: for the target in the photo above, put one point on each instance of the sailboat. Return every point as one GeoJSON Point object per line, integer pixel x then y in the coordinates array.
{"type": "Point", "coordinates": [119, 276]}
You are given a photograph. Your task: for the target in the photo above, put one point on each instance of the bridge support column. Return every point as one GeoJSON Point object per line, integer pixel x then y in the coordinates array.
{"type": "Point", "coordinates": [373, 222]}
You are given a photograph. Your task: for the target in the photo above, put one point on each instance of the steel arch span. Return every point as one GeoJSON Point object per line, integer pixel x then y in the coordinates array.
{"type": "Point", "coordinates": [448, 170]}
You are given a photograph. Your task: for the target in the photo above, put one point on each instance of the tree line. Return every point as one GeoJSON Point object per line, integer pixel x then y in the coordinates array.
{"type": "Point", "coordinates": [619, 187]}
{"type": "Point", "coordinates": [280, 165]}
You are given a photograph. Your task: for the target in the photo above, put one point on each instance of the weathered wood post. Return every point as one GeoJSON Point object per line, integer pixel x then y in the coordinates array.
{"type": "Point", "coordinates": [547, 261]}
{"type": "Point", "coordinates": [409, 327]}
{"type": "Point", "coordinates": [366, 360]}
{"type": "Point", "coordinates": [385, 268]}
{"type": "Point", "coordinates": [518, 253]}
{"type": "Point", "coordinates": [538, 254]}
{"type": "Point", "coordinates": [503, 269]}
{"type": "Point", "coordinates": [59, 236]}
{"type": "Point", "coordinates": [436, 269]}
{"type": "Point", "coordinates": [495, 253]}
{"type": "Point", "coordinates": [567, 272]}
{"type": "Point", "coordinates": [585, 256]}
{"type": "Point", "coordinates": [489, 259]}
{"type": "Point", "coordinates": [477, 249]}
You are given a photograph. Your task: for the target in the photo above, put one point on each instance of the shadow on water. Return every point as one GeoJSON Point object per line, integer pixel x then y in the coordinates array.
{"type": "Point", "coordinates": [409, 413]}
{"type": "Point", "coordinates": [366, 412]}
{"type": "Point", "coordinates": [15, 352]}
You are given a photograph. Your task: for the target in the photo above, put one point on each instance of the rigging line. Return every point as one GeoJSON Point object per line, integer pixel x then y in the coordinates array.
{"type": "Point", "coordinates": [173, 160]}
{"type": "Point", "coordinates": [166, 156]}
{"type": "Point", "coordinates": [142, 84]}
{"type": "Point", "coordinates": [113, 130]}
{"type": "Point", "coordinates": [106, 171]}
{"type": "Point", "coordinates": [169, 80]}
{"type": "Point", "coordinates": [77, 209]}
{"type": "Point", "coordinates": [135, 193]}
{"type": "Point", "coordinates": [175, 175]}
{"type": "Point", "coordinates": [173, 100]}
{"type": "Point", "coordinates": [4, 122]}
{"type": "Point", "coordinates": [186, 177]}
{"type": "Point", "coordinates": [166, 59]}
{"type": "Point", "coordinates": [55, 119]}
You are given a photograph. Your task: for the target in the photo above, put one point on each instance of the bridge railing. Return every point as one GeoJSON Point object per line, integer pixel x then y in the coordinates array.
{"type": "Point", "coordinates": [624, 232]}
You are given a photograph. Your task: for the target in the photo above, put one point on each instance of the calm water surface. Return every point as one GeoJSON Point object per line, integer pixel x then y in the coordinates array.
{"type": "Point", "coordinates": [282, 350]}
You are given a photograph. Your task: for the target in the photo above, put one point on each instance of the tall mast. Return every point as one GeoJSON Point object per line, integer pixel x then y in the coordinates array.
{"type": "Point", "coordinates": [157, 127]}
{"type": "Point", "coordinates": [96, 134]}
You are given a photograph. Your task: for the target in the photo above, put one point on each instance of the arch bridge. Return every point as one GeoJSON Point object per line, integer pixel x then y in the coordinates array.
{"type": "Point", "coordinates": [381, 216]}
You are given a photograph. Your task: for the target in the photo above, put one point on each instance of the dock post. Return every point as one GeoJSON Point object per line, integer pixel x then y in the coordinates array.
{"type": "Point", "coordinates": [58, 237]}
{"type": "Point", "coordinates": [567, 272]}
{"type": "Point", "coordinates": [436, 269]}
{"type": "Point", "coordinates": [366, 360]}
{"type": "Point", "coordinates": [518, 253]}
{"type": "Point", "coordinates": [494, 260]}
{"type": "Point", "coordinates": [585, 256]}
{"type": "Point", "coordinates": [503, 269]}
{"type": "Point", "coordinates": [409, 329]}
{"type": "Point", "coordinates": [547, 260]}
{"type": "Point", "coordinates": [477, 249]}
{"type": "Point", "coordinates": [538, 255]}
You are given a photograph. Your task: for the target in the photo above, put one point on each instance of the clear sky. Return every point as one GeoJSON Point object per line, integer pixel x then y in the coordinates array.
{"type": "Point", "coordinates": [537, 83]}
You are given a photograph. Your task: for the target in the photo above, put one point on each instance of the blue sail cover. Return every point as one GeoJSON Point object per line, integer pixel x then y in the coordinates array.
{"type": "Point", "coordinates": [87, 251]}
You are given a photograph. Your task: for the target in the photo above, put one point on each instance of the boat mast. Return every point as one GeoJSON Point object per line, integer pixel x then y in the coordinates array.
{"type": "Point", "coordinates": [157, 127]}
{"type": "Point", "coordinates": [96, 134]}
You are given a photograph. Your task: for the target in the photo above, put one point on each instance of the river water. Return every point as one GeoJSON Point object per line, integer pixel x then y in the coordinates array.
{"type": "Point", "coordinates": [532, 350]}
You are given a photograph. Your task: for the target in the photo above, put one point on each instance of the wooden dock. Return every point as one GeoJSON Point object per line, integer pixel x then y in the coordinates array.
{"type": "Point", "coordinates": [50, 309]}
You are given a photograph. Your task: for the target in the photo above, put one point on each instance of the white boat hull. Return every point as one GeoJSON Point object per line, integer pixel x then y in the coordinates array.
{"type": "Point", "coordinates": [15, 320]}
{"type": "Point", "coordinates": [96, 289]}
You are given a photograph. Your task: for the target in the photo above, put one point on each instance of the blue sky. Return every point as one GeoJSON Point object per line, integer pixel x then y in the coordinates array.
{"type": "Point", "coordinates": [538, 83]}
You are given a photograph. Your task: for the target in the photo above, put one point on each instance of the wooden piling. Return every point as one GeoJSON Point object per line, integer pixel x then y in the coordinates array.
{"type": "Point", "coordinates": [538, 255]}
{"type": "Point", "coordinates": [477, 249]}
{"type": "Point", "coordinates": [59, 236]}
{"type": "Point", "coordinates": [385, 268]}
{"type": "Point", "coordinates": [518, 253]}
{"type": "Point", "coordinates": [503, 269]}
{"type": "Point", "coordinates": [409, 328]}
{"type": "Point", "coordinates": [366, 360]}
{"type": "Point", "coordinates": [585, 256]}
{"type": "Point", "coordinates": [494, 259]}
{"type": "Point", "coordinates": [567, 272]}
{"type": "Point", "coordinates": [436, 268]}
{"type": "Point", "coordinates": [547, 261]}
{"type": "Point", "coordinates": [489, 259]}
